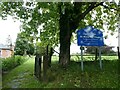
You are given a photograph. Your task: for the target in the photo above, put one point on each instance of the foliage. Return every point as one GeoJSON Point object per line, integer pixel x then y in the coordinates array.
{"type": "Point", "coordinates": [41, 48]}
{"type": "Point", "coordinates": [73, 77]}
{"type": "Point", "coordinates": [23, 45]}
{"type": "Point", "coordinates": [60, 20]}
{"type": "Point", "coordinates": [12, 62]}
{"type": "Point", "coordinates": [46, 15]}
{"type": "Point", "coordinates": [105, 50]}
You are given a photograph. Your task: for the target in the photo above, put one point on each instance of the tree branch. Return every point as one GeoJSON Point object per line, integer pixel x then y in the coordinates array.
{"type": "Point", "coordinates": [92, 6]}
{"type": "Point", "coordinates": [74, 24]}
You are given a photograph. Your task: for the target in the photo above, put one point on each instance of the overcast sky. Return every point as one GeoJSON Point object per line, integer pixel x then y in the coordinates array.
{"type": "Point", "coordinates": [9, 27]}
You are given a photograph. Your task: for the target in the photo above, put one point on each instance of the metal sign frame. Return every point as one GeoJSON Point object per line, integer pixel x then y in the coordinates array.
{"type": "Point", "coordinates": [92, 34]}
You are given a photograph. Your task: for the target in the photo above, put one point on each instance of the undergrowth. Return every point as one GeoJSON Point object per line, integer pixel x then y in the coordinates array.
{"type": "Point", "coordinates": [71, 77]}
{"type": "Point", "coordinates": [12, 62]}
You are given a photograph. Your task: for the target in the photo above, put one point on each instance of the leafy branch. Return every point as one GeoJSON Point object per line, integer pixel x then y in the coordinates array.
{"type": "Point", "coordinates": [81, 16]}
{"type": "Point", "coordinates": [110, 8]}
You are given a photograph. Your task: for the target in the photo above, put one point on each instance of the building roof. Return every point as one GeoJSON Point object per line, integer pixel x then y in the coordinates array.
{"type": "Point", "coordinates": [2, 46]}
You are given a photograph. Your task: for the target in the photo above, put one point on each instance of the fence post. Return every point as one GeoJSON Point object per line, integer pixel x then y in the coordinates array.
{"type": "Point", "coordinates": [39, 68]}
{"type": "Point", "coordinates": [50, 56]}
{"type": "Point", "coordinates": [118, 52]}
{"type": "Point", "coordinates": [35, 66]}
{"type": "Point", "coordinates": [45, 65]}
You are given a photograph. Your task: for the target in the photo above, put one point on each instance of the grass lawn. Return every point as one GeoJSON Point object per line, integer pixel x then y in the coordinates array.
{"type": "Point", "coordinates": [92, 77]}
{"type": "Point", "coordinates": [86, 58]}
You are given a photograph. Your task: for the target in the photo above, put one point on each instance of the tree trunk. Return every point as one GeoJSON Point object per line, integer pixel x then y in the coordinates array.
{"type": "Point", "coordinates": [65, 36]}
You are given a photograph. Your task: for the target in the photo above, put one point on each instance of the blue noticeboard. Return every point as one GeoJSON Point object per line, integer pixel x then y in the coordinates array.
{"type": "Point", "coordinates": [90, 36]}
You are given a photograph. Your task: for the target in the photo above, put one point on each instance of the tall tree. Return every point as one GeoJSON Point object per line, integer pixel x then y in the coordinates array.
{"type": "Point", "coordinates": [61, 20]}
{"type": "Point", "coordinates": [23, 45]}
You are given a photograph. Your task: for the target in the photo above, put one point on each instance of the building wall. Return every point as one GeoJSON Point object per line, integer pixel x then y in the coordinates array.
{"type": "Point", "coordinates": [0, 53]}
{"type": "Point", "coordinates": [6, 53]}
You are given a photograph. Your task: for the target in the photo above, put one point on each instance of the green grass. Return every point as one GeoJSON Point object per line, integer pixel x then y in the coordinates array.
{"type": "Point", "coordinates": [92, 77]}
{"type": "Point", "coordinates": [19, 75]}
{"type": "Point", "coordinates": [86, 58]}
{"type": "Point", "coordinates": [92, 58]}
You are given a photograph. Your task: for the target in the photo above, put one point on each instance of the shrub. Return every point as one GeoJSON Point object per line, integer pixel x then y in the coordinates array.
{"type": "Point", "coordinates": [12, 62]}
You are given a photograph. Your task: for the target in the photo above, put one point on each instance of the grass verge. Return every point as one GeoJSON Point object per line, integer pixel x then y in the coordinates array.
{"type": "Point", "coordinates": [72, 77]}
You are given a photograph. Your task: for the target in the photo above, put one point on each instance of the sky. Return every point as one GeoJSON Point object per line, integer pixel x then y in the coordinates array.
{"type": "Point", "coordinates": [9, 27]}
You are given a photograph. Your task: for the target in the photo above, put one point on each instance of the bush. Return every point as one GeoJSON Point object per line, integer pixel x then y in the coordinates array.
{"type": "Point", "coordinates": [12, 62]}
{"type": "Point", "coordinates": [105, 50]}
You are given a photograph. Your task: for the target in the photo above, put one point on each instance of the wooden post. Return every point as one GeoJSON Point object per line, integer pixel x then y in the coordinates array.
{"type": "Point", "coordinates": [50, 56]}
{"type": "Point", "coordinates": [35, 66]}
{"type": "Point", "coordinates": [118, 52]}
{"type": "Point", "coordinates": [39, 68]}
{"type": "Point", "coordinates": [45, 65]}
{"type": "Point", "coordinates": [47, 56]}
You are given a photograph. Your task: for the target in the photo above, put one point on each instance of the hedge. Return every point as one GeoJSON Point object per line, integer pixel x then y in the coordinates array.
{"type": "Point", "coordinates": [12, 62]}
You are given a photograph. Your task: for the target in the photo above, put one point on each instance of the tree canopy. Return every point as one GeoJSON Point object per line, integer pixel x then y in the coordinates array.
{"type": "Point", "coordinates": [23, 45]}
{"type": "Point", "coordinates": [46, 15]}
{"type": "Point", "coordinates": [55, 22]}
